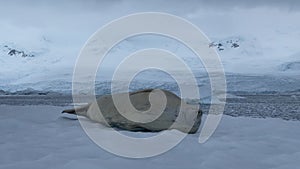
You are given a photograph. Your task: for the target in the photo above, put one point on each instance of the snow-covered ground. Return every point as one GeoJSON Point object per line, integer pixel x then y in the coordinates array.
{"type": "Point", "coordinates": [39, 137]}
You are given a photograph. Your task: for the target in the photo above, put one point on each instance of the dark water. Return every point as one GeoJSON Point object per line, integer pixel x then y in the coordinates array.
{"type": "Point", "coordinates": [286, 107]}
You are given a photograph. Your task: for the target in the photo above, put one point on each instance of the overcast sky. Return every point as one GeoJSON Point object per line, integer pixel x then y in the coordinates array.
{"type": "Point", "coordinates": [37, 12]}
{"type": "Point", "coordinates": [72, 22]}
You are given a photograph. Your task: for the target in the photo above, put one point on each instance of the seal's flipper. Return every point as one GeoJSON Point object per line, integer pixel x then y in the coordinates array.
{"type": "Point", "coordinates": [69, 111]}
{"type": "Point", "coordinates": [77, 111]}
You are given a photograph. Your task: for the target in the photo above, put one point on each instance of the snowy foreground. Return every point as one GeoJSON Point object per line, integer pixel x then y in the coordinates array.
{"type": "Point", "coordinates": [39, 137]}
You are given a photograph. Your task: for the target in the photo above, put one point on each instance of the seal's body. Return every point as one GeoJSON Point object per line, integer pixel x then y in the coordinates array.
{"type": "Point", "coordinates": [188, 120]}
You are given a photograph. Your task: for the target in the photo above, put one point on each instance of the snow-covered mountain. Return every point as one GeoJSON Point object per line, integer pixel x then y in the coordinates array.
{"type": "Point", "coordinates": [257, 46]}
{"type": "Point", "coordinates": [43, 69]}
{"type": "Point", "coordinates": [32, 63]}
{"type": "Point", "coordinates": [290, 67]}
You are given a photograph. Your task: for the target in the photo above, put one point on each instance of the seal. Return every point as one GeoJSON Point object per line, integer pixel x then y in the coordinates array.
{"type": "Point", "coordinates": [186, 118]}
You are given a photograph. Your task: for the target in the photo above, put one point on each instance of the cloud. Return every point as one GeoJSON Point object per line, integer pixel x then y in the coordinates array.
{"type": "Point", "coordinates": [287, 4]}
{"type": "Point", "coordinates": [73, 21]}
{"type": "Point", "coordinates": [42, 13]}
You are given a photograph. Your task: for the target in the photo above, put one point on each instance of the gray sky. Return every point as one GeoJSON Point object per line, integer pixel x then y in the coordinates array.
{"type": "Point", "coordinates": [42, 13]}
{"type": "Point", "coordinates": [74, 21]}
